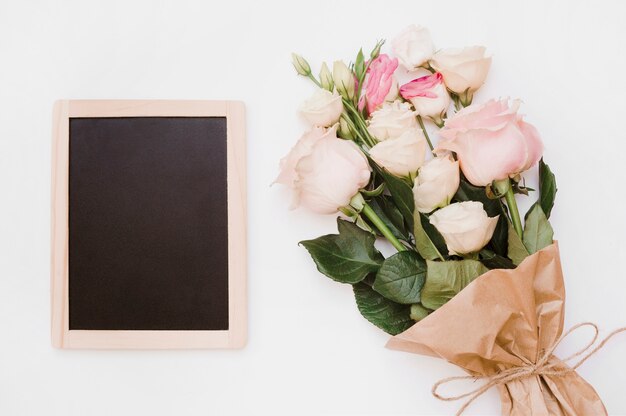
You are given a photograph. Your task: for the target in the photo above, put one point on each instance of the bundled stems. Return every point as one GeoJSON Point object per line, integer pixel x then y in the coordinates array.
{"type": "Point", "coordinates": [358, 203]}
{"type": "Point", "coordinates": [360, 124]}
{"type": "Point", "coordinates": [384, 230]}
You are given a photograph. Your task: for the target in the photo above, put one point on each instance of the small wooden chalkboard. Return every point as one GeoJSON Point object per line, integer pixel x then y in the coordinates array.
{"type": "Point", "coordinates": [149, 224]}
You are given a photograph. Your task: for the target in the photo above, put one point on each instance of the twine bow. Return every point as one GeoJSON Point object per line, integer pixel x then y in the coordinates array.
{"type": "Point", "coordinates": [543, 367]}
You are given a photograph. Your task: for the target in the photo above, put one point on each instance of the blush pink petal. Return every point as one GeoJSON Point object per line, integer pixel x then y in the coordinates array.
{"type": "Point", "coordinates": [378, 82]}
{"type": "Point", "coordinates": [533, 143]}
{"type": "Point", "coordinates": [492, 141]}
{"type": "Point", "coordinates": [421, 87]}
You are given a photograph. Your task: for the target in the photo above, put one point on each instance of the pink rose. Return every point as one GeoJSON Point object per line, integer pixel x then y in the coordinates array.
{"type": "Point", "coordinates": [325, 172]}
{"type": "Point", "coordinates": [380, 84]}
{"type": "Point", "coordinates": [492, 141]}
{"type": "Point", "coordinates": [303, 147]}
{"type": "Point", "coordinates": [429, 96]}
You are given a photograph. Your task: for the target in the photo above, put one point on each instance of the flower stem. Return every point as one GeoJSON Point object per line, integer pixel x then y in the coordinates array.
{"type": "Point", "coordinates": [385, 231]}
{"type": "Point", "coordinates": [419, 120]}
{"type": "Point", "coordinates": [359, 122]}
{"type": "Point", "coordinates": [315, 81]}
{"type": "Point", "coordinates": [510, 201]}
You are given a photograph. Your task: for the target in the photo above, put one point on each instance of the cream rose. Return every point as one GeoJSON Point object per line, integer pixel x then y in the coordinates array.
{"type": "Point", "coordinates": [464, 70]}
{"type": "Point", "coordinates": [436, 184]}
{"type": "Point", "coordinates": [465, 226]}
{"type": "Point", "coordinates": [402, 156]}
{"type": "Point", "coordinates": [391, 120]}
{"type": "Point", "coordinates": [330, 174]}
{"type": "Point", "coordinates": [323, 108]}
{"type": "Point", "coordinates": [413, 47]}
{"type": "Point", "coordinates": [491, 141]}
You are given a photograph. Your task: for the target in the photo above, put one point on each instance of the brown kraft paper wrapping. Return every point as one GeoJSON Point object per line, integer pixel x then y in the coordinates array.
{"type": "Point", "coordinates": [505, 319]}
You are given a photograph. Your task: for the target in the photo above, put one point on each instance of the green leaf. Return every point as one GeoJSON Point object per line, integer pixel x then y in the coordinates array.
{"type": "Point", "coordinates": [347, 257]}
{"type": "Point", "coordinates": [390, 215]}
{"type": "Point", "coordinates": [425, 246]}
{"type": "Point", "coordinates": [401, 277]}
{"type": "Point", "coordinates": [445, 279]}
{"type": "Point", "coordinates": [391, 317]}
{"type": "Point", "coordinates": [517, 250]}
{"type": "Point", "coordinates": [418, 312]}
{"type": "Point", "coordinates": [401, 193]}
{"type": "Point", "coordinates": [493, 207]}
{"type": "Point", "coordinates": [495, 261]}
{"type": "Point", "coordinates": [547, 188]}
{"type": "Point", "coordinates": [538, 232]}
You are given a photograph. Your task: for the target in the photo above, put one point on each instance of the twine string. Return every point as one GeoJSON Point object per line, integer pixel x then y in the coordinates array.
{"type": "Point", "coordinates": [543, 367]}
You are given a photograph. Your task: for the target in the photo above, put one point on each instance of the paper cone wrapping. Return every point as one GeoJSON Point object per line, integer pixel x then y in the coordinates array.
{"type": "Point", "coordinates": [503, 319]}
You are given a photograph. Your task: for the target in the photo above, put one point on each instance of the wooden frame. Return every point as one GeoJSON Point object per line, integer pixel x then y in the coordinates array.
{"type": "Point", "coordinates": [236, 335]}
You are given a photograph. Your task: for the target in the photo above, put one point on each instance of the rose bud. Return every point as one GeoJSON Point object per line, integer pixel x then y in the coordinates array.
{"type": "Point", "coordinates": [380, 85]}
{"type": "Point", "coordinates": [324, 171]}
{"type": "Point", "coordinates": [322, 109]}
{"type": "Point", "coordinates": [436, 184]}
{"type": "Point", "coordinates": [429, 96]}
{"type": "Point", "coordinates": [401, 156]}
{"type": "Point", "coordinates": [464, 70]}
{"type": "Point", "coordinates": [465, 226]}
{"type": "Point", "coordinates": [300, 64]}
{"type": "Point", "coordinates": [344, 80]}
{"type": "Point", "coordinates": [391, 120]}
{"type": "Point", "coordinates": [413, 47]}
{"type": "Point", "coordinates": [326, 78]}
{"type": "Point", "coordinates": [491, 141]}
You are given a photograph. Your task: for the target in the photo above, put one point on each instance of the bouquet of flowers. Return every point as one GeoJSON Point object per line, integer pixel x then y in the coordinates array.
{"type": "Point", "coordinates": [471, 282]}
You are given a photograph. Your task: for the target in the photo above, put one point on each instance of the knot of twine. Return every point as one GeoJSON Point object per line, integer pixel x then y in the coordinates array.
{"type": "Point", "coordinates": [543, 367]}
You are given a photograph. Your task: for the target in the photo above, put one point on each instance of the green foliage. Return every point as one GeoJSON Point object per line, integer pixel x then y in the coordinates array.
{"type": "Point", "coordinates": [418, 312]}
{"type": "Point", "coordinates": [401, 193]}
{"type": "Point", "coordinates": [495, 261]}
{"type": "Point", "coordinates": [547, 188]}
{"type": "Point", "coordinates": [444, 279]}
{"type": "Point", "coordinates": [517, 250]}
{"type": "Point", "coordinates": [538, 232]}
{"type": "Point", "coordinates": [401, 277]}
{"type": "Point", "coordinates": [391, 317]}
{"type": "Point", "coordinates": [423, 242]}
{"type": "Point", "coordinates": [384, 207]}
{"type": "Point", "coordinates": [346, 257]}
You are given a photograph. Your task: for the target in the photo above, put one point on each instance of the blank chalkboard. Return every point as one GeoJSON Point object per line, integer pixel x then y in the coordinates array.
{"type": "Point", "coordinates": [148, 213]}
{"type": "Point", "coordinates": [148, 223]}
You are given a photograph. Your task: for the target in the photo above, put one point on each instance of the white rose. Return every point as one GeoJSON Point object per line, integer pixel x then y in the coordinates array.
{"type": "Point", "coordinates": [331, 174]}
{"type": "Point", "coordinates": [436, 184]}
{"type": "Point", "coordinates": [391, 120]}
{"type": "Point", "coordinates": [323, 108]}
{"type": "Point", "coordinates": [464, 70]}
{"type": "Point", "coordinates": [465, 226]}
{"type": "Point", "coordinates": [413, 47]}
{"type": "Point", "coordinates": [403, 155]}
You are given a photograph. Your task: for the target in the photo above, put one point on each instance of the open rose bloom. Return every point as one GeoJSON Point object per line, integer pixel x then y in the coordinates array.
{"type": "Point", "coordinates": [491, 141]}
{"type": "Point", "coordinates": [471, 279]}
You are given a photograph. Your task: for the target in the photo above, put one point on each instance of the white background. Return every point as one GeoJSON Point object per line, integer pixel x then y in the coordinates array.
{"type": "Point", "coordinates": [309, 351]}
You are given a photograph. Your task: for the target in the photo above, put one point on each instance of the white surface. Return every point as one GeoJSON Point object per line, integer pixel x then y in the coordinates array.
{"type": "Point", "coordinates": [309, 351]}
